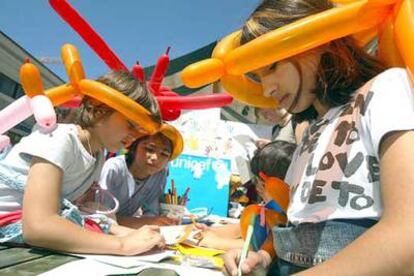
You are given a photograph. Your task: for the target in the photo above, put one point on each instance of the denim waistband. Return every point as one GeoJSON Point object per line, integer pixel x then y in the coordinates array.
{"type": "Point", "coordinates": [367, 223]}
{"type": "Point", "coordinates": [308, 244]}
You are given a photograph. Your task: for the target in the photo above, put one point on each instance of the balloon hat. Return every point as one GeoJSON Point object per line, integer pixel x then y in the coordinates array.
{"type": "Point", "coordinates": [40, 103]}
{"type": "Point", "coordinates": [391, 20]}
{"type": "Point", "coordinates": [170, 102]}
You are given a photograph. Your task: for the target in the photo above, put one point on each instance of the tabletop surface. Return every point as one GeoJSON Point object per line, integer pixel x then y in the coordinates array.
{"type": "Point", "coordinates": [19, 261]}
{"type": "Point", "coordinates": [29, 261]}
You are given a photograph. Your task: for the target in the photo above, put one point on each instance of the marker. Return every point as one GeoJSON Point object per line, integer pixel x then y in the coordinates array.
{"type": "Point", "coordinates": [184, 198]}
{"type": "Point", "coordinates": [246, 244]}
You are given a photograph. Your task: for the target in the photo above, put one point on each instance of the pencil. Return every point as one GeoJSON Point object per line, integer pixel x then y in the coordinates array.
{"type": "Point", "coordinates": [174, 192]}
{"type": "Point", "coordinates": [246, 244]}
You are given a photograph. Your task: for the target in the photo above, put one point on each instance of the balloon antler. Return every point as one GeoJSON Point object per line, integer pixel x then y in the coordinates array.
{"type": "Point", "coordinates": [159, 72]}
{"type": "Point", "coordinates": [138, 71]}
{"type": "Point", "coordinates": [92, 38]}
{"type": "Point", "coordinates": [171, 104]}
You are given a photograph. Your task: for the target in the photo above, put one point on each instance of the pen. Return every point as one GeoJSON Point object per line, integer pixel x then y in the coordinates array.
{"type": "Point", "coordinates": [185, 196]}
{"type": "Point", "coordinates": [174, 192]}
{"type": "Point", "coordinates": [246, 244]}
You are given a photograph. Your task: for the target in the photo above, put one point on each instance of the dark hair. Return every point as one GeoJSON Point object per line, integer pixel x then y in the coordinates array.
{"type": "Point", "coordinates": [273, 159]}
{"type": "Point", "coordinates": [344, 67]}
{"type": "Point", "coordinates": [92, 110]}
{"type": "Point", "coordinates": [131, 153]}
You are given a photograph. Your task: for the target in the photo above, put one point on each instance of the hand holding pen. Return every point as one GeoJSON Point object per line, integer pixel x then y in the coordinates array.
{"type": "Point", "coordinates": [255, 261]}
{"type": "Point", "coordinates": [242, 262]}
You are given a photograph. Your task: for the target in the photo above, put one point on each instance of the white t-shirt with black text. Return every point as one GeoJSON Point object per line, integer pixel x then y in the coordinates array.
{"type": "Point", "coordinates": [334, 172]}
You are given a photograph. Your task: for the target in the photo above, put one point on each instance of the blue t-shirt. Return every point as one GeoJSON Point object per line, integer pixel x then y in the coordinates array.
{"type": "Point", "coordinates": [131, 193]}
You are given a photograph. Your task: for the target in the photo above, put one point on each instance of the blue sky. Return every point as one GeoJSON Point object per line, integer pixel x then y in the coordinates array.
{"type": "Point", "coordinates": [134, 29]}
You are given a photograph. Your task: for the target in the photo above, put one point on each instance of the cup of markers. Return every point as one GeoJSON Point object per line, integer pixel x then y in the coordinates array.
{"type": "Point", "coordinates": [173, 205]}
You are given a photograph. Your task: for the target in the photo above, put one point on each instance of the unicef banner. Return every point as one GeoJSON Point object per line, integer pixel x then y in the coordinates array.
{"type": "Point", "coordinates": [208, 180]}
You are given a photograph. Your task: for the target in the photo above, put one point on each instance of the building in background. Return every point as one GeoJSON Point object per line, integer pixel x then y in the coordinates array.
{"type": "Point", "coordinates": [12, 56]}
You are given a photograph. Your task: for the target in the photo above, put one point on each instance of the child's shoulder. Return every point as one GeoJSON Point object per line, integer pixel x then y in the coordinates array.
{"type": "Point", "coordinates": [393, 75]}
{"type": "Point", "coordinates": [59, 130]}
{"type": "Point", "coordinates": [393, 82]}
{"type": "Point", "coordinates": [117, 163]}
{"type": "Point", "coordinates": [62, 136]}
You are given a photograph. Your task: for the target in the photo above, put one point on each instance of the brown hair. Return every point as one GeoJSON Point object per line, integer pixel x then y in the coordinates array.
{"type": "Point", "coordinates": [92, 110]}
{"type": "Point", "coordinates": [343, 67]}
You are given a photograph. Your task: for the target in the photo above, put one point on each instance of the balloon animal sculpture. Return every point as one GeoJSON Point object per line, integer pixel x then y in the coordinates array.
{"type": "Point", "coordinates": [170, 103]}
{"type": "Point", "coordinates": [40, 103]}
{"type": "Point", "coordinates": [266, 216]}
{"type": "Point", "coordinates": [391, 20]}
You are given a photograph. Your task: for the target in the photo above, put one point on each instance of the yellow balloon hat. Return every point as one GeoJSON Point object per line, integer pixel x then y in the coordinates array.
{"type": "Point", "coordinates": [78, 85]}
{"type": "Point", "coordinates": [175, 137]}
{"type": "Point", "coordinates": [391, 20]}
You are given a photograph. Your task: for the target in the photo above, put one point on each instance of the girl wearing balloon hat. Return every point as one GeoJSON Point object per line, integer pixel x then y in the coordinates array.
{"type": "Point", "coordinates": [45, 172]}
{"type": "Point", "coordinates": [351, 177]}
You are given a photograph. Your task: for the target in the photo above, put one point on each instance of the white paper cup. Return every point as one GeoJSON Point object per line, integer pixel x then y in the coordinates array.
{"type": "Point", "coordinates": [172, 211]}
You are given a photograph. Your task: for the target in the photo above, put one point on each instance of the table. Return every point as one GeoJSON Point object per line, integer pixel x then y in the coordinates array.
{"type": "Point", "coordinates": [19, 261]}
{"type": "Point", "coordinates": [29, 261]}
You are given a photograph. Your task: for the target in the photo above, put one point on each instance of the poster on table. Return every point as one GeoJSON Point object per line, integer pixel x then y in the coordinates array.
{"type": "Point", "coordinates": [214, 149]}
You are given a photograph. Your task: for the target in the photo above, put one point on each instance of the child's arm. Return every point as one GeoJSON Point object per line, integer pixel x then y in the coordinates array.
{"type": "Point", "coordinates": [388, 247]}
{"type": "Point", "coordinates": [43, 227]}
{"type": "Point", "coordinates": [231, 231]}
{"type": "Point", "coordinates": [212, 240]}
{"type": "Point", "coordinates": [137, 222]}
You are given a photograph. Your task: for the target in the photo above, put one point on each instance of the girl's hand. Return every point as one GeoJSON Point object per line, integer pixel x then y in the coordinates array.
{"type": "Point", "coordinates": [254, 260]}
{"type": "Point", "coordinates": [202, 226]}
{"type": "Point", "coordinates": [142, 240]}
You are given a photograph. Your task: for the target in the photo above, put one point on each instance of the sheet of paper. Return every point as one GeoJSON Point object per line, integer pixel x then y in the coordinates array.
{"type": "Point", "coordinates": [130, 261]}
{"type": "Point", "coordinates": [173, 233]}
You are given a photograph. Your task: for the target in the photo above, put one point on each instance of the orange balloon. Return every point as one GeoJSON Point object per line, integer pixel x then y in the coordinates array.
{"type": "Point", "coordinates": [202, 72]}
{"type": "Point", "coordinates": [364, 37]}
{"type": "Point", "coordinates": [61, 94]}
{"type": "Point", "coordinates": [388, 52]}
{"type": "Point", "coordinates": [247, 91]}
{"type": "Point", "coordinates": [248, 212]}
{"type": "Point", "coordinates": [175, 137]}
{"type": "Point", "coordinates": [227, 44]}
{"type": "Point", "coordinates": [272, 218]}
{"type": "Point", "coordinates": [73, 65]}
{"type": "Point", "coordinates": [372, 2]}
{"type": "Point", "coordinates": [404, 33]}
{"type": "Point", "coordinates": [240, 87]}
{"type": "Point", "coordinates": [278, 190]}
{"type": "Point", "coordinates": [123, 104]}
{"type": "Point", "coordinates": [31, 80]}
{"type": "Point", "coordinates": [305, 34]}
{"type": "Point", "coordinates": [361, 17]}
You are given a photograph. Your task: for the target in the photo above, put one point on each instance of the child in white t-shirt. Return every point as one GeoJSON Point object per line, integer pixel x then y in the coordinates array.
{"type": "Point", "coordinates": [45, 171]}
